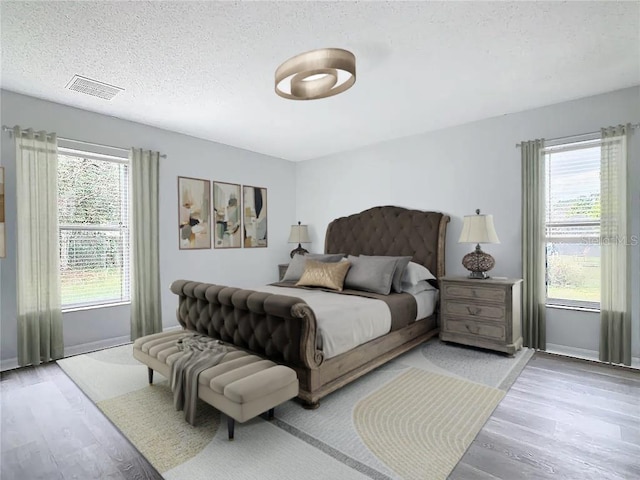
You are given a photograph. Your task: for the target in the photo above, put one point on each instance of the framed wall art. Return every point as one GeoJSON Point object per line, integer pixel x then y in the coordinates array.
{"type": "Point", "coordinates": [254, 201]}
{"type": "Point", "coordinates": [227, 212]}
{"type": "Point", "coordinates": [194, 224]}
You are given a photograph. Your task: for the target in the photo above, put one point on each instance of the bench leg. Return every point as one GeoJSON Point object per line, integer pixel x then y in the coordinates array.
{"type": "Point", "coordinates": [150, 373]}
{"type": "Point", "coordinates": [231, 423]}
{"type": "Point", "coordinates": [270, 413]}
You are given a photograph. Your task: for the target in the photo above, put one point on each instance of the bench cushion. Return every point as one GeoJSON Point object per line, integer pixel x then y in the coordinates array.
{"type": "Point", "coordinates": [259, 384]}
{"type": "Point", "coordinates": [147, 342]}
{"type": "Point", "coordinates": [226, 365]}
{"type": "Point", "coordinates": [219, 383]}
{"type": "Point", "coordinates": [241, 385]}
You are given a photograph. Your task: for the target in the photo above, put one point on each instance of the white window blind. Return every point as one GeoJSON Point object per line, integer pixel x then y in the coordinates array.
{"type": "Point", "coordinates": [93, 210]}
{"type": "Point", "coordinates": [573, 223]}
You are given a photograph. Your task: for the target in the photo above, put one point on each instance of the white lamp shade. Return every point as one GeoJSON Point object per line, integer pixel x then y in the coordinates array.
{"type": "Point", "coordinates": [478, 229]}
{"type": "Point", "coordinates": [299, 234]}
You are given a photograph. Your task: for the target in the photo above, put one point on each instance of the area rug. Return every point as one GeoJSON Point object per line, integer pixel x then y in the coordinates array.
{"type": "Point", "coordinates": [412, 418]}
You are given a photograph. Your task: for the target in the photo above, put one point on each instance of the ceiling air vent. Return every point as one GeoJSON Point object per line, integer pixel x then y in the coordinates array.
{"type": "Point", "coordinates": [93, 87]}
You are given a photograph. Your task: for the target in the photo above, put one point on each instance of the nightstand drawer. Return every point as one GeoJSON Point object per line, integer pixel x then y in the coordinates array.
{"type": "Point", "coordinates": [482, 313]}
{"type": "Point", "coordinates": [481, 293]}
{"type": "Point", "coordinates": [469, 327]}
{"type": "Point", "coordinates": [496, 313]}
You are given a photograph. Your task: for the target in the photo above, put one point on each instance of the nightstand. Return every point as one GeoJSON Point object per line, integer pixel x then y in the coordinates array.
{"type": "Point", "coordinates": [282, 269]}
{"type": "Point", "coordinates": [482, 313]}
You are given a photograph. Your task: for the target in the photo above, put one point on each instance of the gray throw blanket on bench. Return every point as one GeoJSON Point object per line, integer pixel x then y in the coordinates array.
{"type": "Point", "coordinates": [199, 353]}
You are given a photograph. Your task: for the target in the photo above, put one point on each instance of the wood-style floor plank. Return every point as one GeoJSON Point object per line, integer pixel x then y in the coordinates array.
{"type": "Point", "coordinates": [52, 431]}
{"type": "Point", "coordinates": [562, 419]}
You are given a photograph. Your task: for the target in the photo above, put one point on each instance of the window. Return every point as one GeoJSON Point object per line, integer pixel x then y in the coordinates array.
{"type": "Point", "coordinates": [93, 212]}
{"type": "Point", "coordinates": [573, 224]}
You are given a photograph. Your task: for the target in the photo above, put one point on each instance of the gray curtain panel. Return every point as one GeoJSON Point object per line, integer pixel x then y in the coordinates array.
{"type": "Point", "coordinates": [615, 245]}
{"type": "Point", "coordinates": [146, 312]}
{"type": "Point", "coordinates": [533, 245]}
{"type": "Point", "coordinates": [38, 252]}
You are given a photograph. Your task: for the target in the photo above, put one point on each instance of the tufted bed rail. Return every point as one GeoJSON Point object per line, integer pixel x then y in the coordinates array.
{"type": "Point", "coordinates": [278, 327]}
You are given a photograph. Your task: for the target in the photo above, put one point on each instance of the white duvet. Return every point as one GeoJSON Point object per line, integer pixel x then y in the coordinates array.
{"type": "Point", "coordinates": [346, 321]}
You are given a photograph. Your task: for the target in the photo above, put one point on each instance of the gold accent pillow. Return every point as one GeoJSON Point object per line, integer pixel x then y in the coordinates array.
{"type": "Point", "coordinates": [327, 275]}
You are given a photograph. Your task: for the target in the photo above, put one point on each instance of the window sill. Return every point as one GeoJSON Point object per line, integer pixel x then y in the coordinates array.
{"type": "Point", "coordinates": [574, 308]}
{"type": "Point", "coordinates": [93, 307]}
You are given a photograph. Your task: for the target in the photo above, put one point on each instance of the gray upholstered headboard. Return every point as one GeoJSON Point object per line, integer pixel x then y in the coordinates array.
{"type": "Point", "coordinates": [392, 231]}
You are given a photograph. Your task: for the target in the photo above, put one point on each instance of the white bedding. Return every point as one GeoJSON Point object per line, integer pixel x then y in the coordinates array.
{"type": "Point", "coordinates": [426, 301]}
{"type": "Point", "coordinates": [346, 321]}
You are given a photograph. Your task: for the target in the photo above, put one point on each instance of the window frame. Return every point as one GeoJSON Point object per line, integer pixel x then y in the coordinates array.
{"type": "Point", "coordinates": [563, 303]}
{"type": "Point", "coordinates": [124, 229]}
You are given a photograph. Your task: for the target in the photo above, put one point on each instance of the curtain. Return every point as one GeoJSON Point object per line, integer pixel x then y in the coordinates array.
{"type": "Point", "coordinates": [615, 296]}
{"type": "Point", "coordinates": [40, 336]}
{"type": "Point", "coordinates": [146, 315]}
{"type": "Point", "coordinates": [533, 245]}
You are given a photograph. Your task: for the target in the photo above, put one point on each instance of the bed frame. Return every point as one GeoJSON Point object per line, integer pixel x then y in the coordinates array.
{"type": "Point", "coordinates": [284, 329]}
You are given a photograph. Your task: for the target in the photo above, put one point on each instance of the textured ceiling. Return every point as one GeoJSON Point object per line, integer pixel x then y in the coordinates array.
{"type": "Point", "coordinates": [206, 68]}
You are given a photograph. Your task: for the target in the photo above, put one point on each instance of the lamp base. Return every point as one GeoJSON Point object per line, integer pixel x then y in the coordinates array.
{"type": "Point", "coordinates": [298, 251]}
{"type": "Point", "coordinates": [478, 263]}
{"type": "Point", "coordinates": [478, 275]}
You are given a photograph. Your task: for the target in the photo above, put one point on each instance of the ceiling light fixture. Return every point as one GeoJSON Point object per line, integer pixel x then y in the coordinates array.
{"type": "Point", "coordinates": [316, 74]}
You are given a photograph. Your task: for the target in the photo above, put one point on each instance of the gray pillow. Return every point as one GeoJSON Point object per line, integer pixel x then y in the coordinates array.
{"type": "Point", "coordinates": [401, 264]}
{"type": "Point", "coordinates": [296, 265]}
{"type": "Point", "coordinates": [371, 274]}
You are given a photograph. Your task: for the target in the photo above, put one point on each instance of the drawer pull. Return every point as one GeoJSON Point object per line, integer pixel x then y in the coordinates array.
{"type": "Point", "coordinates": [472, 330]}
{"type": "Point", "coordinates": [474, 310]}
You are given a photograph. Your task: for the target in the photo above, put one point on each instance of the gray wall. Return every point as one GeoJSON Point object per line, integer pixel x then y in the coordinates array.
{"type": "Point", "coordinates": [471, 166]}
{"type": "Point", "coordinates": [455, 171]}
{"type": "Point", "coordinates": [186, 156]}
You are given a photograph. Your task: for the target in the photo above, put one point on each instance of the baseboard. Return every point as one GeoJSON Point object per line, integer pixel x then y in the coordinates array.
{"type": "Point", "coordinates": [73, 350]}
{"type": "Point", "coordinates": [572, 351]}
{"type": "Point", "coordinates": [175, 327]}
{"type": "Point", "coordinates": [8, 364]}
{"type": "Point", "coordinates": [102, 344]}
{"type": "Point", "coordinates": [584, 354]}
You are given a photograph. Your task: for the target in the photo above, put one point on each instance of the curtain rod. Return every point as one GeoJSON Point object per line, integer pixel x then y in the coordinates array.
{"type": "Point", "coordinates": [9, 129]}
{"type": "Point", "coordinates": [633, 126]}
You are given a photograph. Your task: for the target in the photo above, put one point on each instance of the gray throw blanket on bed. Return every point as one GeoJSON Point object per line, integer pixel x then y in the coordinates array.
{"type": "Point", "coordinates": [199, 353]}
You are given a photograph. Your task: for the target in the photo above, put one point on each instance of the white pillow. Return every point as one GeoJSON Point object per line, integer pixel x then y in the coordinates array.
{"type": "Point", "coordinates": [421, 286]}
{"type": "Point", "coordinates": [414, 273]}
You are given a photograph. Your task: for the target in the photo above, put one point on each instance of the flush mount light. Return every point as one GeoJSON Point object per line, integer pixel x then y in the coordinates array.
{"type": "Point", "coordinates": [316, 74]}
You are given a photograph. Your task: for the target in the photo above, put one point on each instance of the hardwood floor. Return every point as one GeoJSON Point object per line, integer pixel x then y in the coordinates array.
{"type": "Point", "coordinates": [52, 431]}
{"type": "Point", "coordinates": [562, 419]}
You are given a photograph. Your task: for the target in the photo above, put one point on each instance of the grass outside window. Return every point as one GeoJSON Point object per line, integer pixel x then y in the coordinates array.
{"type": "Point", "coordinates": [98, 287]}
{"type": "Point", "coordinates": [574, 278]}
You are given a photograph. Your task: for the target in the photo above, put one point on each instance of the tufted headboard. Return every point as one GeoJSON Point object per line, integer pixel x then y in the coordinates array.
{"type": "Point", "coordinates": [393, 231]}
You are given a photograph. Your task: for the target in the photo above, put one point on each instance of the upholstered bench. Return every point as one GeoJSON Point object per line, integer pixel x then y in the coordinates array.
{"type": "Point", "coordinates": [241, 385]}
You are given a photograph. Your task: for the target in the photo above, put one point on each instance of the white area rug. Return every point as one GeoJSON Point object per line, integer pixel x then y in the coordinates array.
{"type": "Point", "coordinates": [412, 418]}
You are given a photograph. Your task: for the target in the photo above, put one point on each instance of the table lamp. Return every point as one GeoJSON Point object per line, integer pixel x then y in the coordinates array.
{"type": "Point", "coordinates": [299, 234]}
{"type": "Point", "coordinates": [478, 229]}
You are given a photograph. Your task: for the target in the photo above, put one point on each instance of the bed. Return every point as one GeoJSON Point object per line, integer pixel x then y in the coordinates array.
{"type": "Point", "coordinates": [278, 323]}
